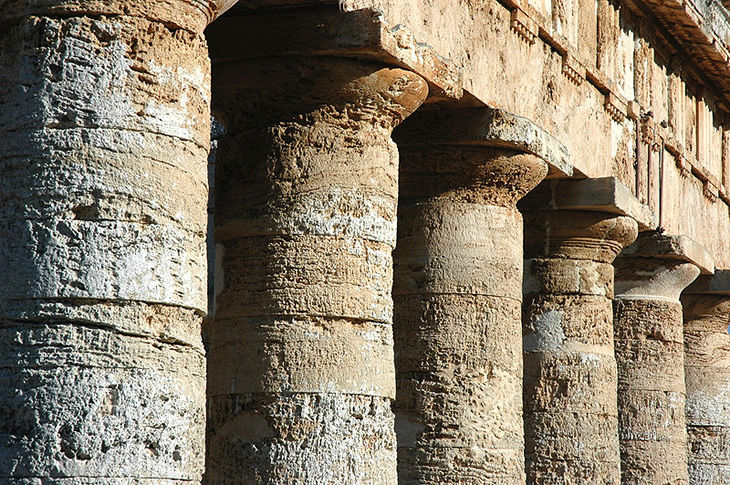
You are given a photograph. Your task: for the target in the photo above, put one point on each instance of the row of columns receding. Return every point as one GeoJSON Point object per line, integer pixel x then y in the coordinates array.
{"type": "Point", "coordinates": [468, 355]}
{"type": "Point", "coordinates": [472, 357]}
{"type": "Point", "coordinates": [322, 184]}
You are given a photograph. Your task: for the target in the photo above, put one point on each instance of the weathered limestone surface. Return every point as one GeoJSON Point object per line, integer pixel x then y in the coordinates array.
{"type": "Point", "coordinates": [105, 129]}
{"type": "Point", "coordinates": [301, 372]}
{"type": "Point", "coordinates": [325, 29]}
{"type": "Point", "coordinates": [587, 72]}
{"type": "Point", "coordinates": [571, 427]}
{"type": "Point", "coordinates": [604, 194]}
{"type": "Point", "coordinates": [707, 375]}
{"type": "Point", "coordinates": [650, 355]}
{"type": "Point", "coordinates": [104, 111]}
{"type": "Point", "coordinates": [457, 295]}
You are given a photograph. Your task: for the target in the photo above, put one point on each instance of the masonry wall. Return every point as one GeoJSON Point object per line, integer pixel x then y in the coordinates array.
{"type": "Point", "coordinates": [616, 48]}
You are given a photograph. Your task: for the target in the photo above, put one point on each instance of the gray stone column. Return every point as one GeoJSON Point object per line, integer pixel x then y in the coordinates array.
{"type": "Point", "coordinates": [650, 275]}
{"type": "Point", "coordinates": [105, 131]}
{"type": "Point", "coordinates": [457, 295]}
{"type": "Point", "coordinates": [706, 305]}
{"type": "Point", "coordinates": [301, 372]}
{"type": "Point", "coordinates": [571, 427]}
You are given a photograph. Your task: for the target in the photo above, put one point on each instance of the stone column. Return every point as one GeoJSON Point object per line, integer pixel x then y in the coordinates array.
{"type": "Point", "coordinates": [105, 131]}
{"type": "Point", "coordinates": [571, 427]}
{"type": "Point", "coordinates": [301, 374]}
{"type": "Point", "coordinates": [650, 275]}
{"type": "Point", "coordinates": [573, 231]}
{"type": "Point", "coordinates": [707, 375]}
{"type": "Point", "coordinates": [457, 295]}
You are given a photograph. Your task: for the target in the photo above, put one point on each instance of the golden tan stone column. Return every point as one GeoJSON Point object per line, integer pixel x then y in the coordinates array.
{"type": "Point", "coordinates": [650, 275]}
{"type": "Point", "coordinates": [457, 296]}
{"type": "Point", "coordinates": [301, 373]}
{"type": "Point", "coordinates": [104, 121]}
{"type": "Point", "coordinates": [570, 367]}
{"type": "Point", "coordinates": [706, 304]}
{"type": "Point", "coordinates": [571, 420]}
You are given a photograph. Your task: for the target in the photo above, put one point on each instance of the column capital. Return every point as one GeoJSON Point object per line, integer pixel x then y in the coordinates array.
{"type": "Point", "coordinates": [481, 175]}
{"type": "Point", "coordinates": [708, 299]}
{"type": "Point", "coordinates": [479, 155]}
{"type": "Point", "coordinates": [192, 15]}
{"type": "Point", "coordinates": [305, 90]}
{"type": "Point", "coordinates": [591, 219]}
{"type": "Point", "coordinates": [327, 31]}
{"type": "Point", "coordinates": [717, 283]}
{"type": "Point", "coordinates": [595, 236]}
{"type": "Point", "coordinates": [652, 244]}
{"type": "Point", "coordinates": [701, 310]}
{"type": "Point", "coordinates": [660, 267]}
{"type": "Point", "coordinates": [485, 127]}
{"type": "Point", "coordinates": [604, 194]}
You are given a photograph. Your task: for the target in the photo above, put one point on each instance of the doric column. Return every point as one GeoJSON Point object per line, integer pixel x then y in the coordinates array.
{"type": "Point", "coordinates": [105, 131]}
{"type": "Point", "coordinates": [650, 275]}
{"type": "Point", "coordinates": [457, 296]}
{"type": "Point", "coordinates": [571, 424]}
{"type": "Point", "coordinates": [301, 373]}
{"type": "Point", "coordinates": [706, 305]}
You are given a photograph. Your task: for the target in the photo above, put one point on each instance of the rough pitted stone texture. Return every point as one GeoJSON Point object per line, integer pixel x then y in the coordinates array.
{"type": "Point", "coordinates": [651, 391]}
{"type": "Point", "coordinates": [270, 438]}
{"type": "Point", "coordinates": [301, 349]}
{"type": "Point", "coordinates": [707, 376]}
{"type": "Point", "coordinates": [105, 127]}
{"type": "Point", "coordinates": [571, 418]}
{"type": "Point", "coordinates": [192, 15]}
{"type": "Point", "coordinates": [457, 295]}
{"type": "Point", "coordinates": [89, 402]}
{"type": "Point", "coordinates": [650, 356]}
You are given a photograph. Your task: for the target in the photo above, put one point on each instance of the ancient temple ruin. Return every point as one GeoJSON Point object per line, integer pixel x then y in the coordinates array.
{"type": "Point", "coordinates": [435, 242]}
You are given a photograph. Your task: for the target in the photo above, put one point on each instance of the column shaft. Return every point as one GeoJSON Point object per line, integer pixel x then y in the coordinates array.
{"type": "Point", "coordinates": [650, 356]}
{"type": "Point", "coordinates": [707, 376]}
{"type": "Point", "coordinates": [105, 129]}
{"type": "Point", "coordinates": [457, 294]}
{"type": "Point", "coordinates": [571, 427]}
{"type": "Point", "coordinates": [301, 372]}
